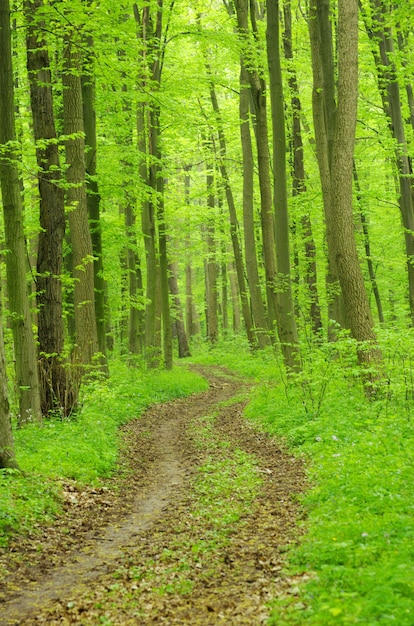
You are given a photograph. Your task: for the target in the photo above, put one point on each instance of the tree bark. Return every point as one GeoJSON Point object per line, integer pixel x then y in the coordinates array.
{"type": "Point", "coordinates": [86, 338]}
{"type": "Point", "coordinates": [7, 454]}
{"type": "Point", "coordinates": [381, 34]}
{"type": "Point", "coordinates": [183, 347]}
{"type": "Point", "coordinates": [234, 224]}
{"type": "Point", "coordinates": [88, 83]}
{"type": "Point", "coordinates": [26, 366]}
{"type": "Point", "coordinates": [258, 311]}
{"type": "Point", "coordinates": [299, 179]}
{"type": "Point", "coordinates": [57, 395]}
{"type": "Point", "coordinates": [211, 269]}
{"type": "Point", "coordinates": [258, 91]}
{"type": "Point", "coordinates": [324, 111]}
{"type": "Point", "coordinates": [287, 331]}
{"type": "Point", "coordinates": [341, 215]}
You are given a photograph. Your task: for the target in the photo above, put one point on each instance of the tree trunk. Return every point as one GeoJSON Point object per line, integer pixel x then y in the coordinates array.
{"type": "Point", "coordinates": [259, 315]}
{"type": "Point", "coordinates": [93, 198]}
{"type": "Point", "coordinates": [259, 103]}
{"type": "Point", "coordinates": [367, 247]}
{"type": "Point", "coordinates": [27, 379]}
{"type": "Point", "coordinates": [341, 216]}
{"type": "Point", "coordinates": [285, 314]}
{"type": "Point", "coordinates": [380, 33]}
{"type": "Point", "coordinates": [55, 390]}
{"type": "Point", "coordinates": [86, 338]}
{"type": "Point", "coordinates": [136, 322]}
{"type": "Point", "coordinates": [183, 347]}
{"type": "Point", "coordinates": [211, 269]}
{"type": "Point", "coordinates": [299, 179]}
{"type": "Point", "coordinates": [235, 297]}
{"type": "Point", "coordinates": [7, 455]}
{"type": "Point", "coordinates": [324, 111]}
{"type": "Point", "coordinates": [234, 224]}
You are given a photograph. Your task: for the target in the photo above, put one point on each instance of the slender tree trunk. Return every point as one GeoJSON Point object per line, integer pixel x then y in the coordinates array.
{"type": "Point", "coordinates": [7, 454]}
{"type": "Point", "coordinates": [183, 347]}
{"type": "Point", "coordinates": [235, 297]}
{"type": "Point", "coordinates": [234, 224]}
{"type": "Point", "coordinates": [211, 265]}
{"type": "Point", "coordinates": [259, 315]}
{"type": "Point", "coordinates": [286, 319]}
{"type": "Point", "coordinates": [299, 179]}
{"type": "Point", "coordinates": [224, 288]}
{"type": "Point", "coordinates": [380, 33]}
{"type": "Point", "coordinates": [27, 379]}
{"type": "Point", "coordinates": [192, 324]}
{"type": "Point", "coordinates": [258, 311]}
{"type": "Point", "coordinates": [136, 322]}
{"type": "Point", "coordinates": [165, 292]}
{"type": "Point", "coordinates": [93, 198]}
{"type": "Point", "coordinates": [259, 103]}
{"type": "Point", "coordinates": [56, 392]}
{"type": "Point", "coordinates": [367, 247]}
{"type": "Point", "coordinates": [150, 33]}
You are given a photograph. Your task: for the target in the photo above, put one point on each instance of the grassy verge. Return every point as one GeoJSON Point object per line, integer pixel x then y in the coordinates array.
{"type": "Point", "coordinates": [359, 545]}
{"type": "Point", "coordinates": [84, 448]}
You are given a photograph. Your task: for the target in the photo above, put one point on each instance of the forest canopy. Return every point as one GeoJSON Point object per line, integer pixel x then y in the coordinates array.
{"type": "Point", "coordinates": [178, 171]}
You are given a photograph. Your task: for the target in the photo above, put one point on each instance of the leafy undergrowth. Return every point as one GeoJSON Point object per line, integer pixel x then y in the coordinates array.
{"type": "Point", "coordinates": [359, 540]}
{"type": "Point", "coordinates": [84, 448]}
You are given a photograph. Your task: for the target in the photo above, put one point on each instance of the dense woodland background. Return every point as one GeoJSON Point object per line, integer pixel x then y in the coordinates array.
{"type": "Point", "coordinates": [232, 179]}
{"type": "Point", "coordinates": [189, 169]}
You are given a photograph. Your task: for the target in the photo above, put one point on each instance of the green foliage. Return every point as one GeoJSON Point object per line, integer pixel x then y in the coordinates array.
{"type": "Point", "coordinates": [84, 448]}
{"type": "Point", "coordinates": [24, 501]}
{"type": "Point", "coordinates": [358, 545]}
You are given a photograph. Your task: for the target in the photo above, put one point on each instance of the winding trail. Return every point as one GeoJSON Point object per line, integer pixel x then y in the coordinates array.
{"type": "Point", "coordinates": [161, 452]}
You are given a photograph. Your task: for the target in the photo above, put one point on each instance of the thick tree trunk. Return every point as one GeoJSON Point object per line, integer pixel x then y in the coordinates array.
{"type": "Point", "coordinates": [285, 314]}
{"type": "Point", "coordinates": [341, 215]}
{"type": "Point", "coordinates": [86, 338]}
{"type": "Point", "coordinates": [26, 365]}
{"type": "Point", "coordinates": [324, 111]}
{"type": "Point", "coordinates": [55, 390]}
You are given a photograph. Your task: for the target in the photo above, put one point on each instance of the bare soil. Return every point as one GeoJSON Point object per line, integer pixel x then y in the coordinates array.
{"type": "Point", "coordinates": [102, 560]}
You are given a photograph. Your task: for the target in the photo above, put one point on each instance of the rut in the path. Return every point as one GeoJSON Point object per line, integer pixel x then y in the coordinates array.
{"type": "Point", "coordinates": [164, 478]}
{"type": "Point", "coordinates": [244, 579]}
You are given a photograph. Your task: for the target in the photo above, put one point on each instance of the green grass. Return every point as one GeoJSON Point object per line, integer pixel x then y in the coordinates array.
{"type": "Point", "coordinates": [359, 540]}
{"type": "Point", "coordinates": [84, 448]}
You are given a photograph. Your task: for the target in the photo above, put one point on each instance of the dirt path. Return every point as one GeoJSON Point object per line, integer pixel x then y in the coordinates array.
{"type": "Point", "coordinates": [132, 555]}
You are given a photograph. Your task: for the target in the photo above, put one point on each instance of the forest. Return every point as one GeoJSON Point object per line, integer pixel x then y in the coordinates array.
{"type": "Point", "coordinates": [208, 203]}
